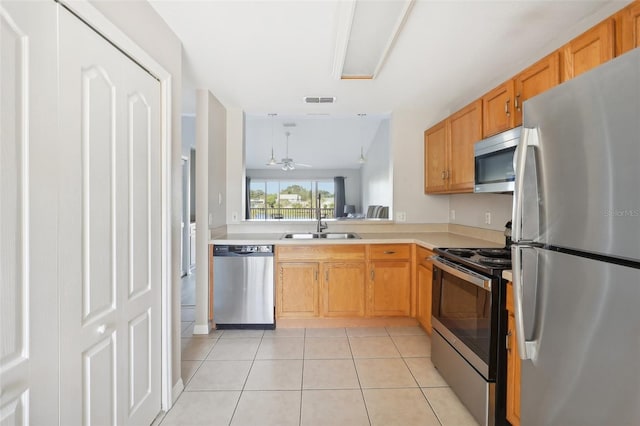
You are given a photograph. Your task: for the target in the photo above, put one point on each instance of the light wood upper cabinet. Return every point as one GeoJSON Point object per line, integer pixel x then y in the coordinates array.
{"type": "Point", "coordinates": [448, 147]}
{"type": "Point", "coordinates": [513, 364]}
{"type": "Point", "coordinates": [343, 289]}
{"type": "Point", "coordinates": [628, 28]}
{"type": "Point", "coordinates": [465, 129]}
{"type": "Point", "coordinates": [297, 293]}
{"type": "Point", "coordinates": [498, 110]}
{"type": "Point", "coordinates": [539, 77]}
{"type": "Point", "coordinates": [435, 158]}
{"type": "Point", "coordinates": [588, 50]}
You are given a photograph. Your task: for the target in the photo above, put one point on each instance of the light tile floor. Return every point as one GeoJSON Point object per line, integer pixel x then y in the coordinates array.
{"type": "Point", "coordinates": [337, 376]}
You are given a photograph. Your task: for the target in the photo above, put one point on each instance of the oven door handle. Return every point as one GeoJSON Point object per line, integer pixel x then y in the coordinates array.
{"type": "Point", "coordinates": [462, 273]}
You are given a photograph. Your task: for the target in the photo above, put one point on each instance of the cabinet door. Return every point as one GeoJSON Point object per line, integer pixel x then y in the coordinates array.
{"type": "Point", "coordinates": [423, 307]}
{"type": "Point", "coordinates": [297, 289]}
{"type": "Point", "coordinates": [435, 158]}
{"type": "Point", "coordinates": [539, 77]}
{"type": "Point", "coordinates": [465, 129]}
{"type": "Point", "coordinates": [629, 21]}
{"type": "Point", "coordinates": [588, 50]}
{"type": "Point", "coordinates": [343, 289]}
{"type": "Point", "coordinates": [497, 110]}
{"type": "Point", "coordinates": [390, 288]}
{"type": "Point", "coordinates": [513, 364]}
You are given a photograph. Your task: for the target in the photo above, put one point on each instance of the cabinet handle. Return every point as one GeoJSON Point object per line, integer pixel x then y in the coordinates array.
{"type": "Point", "coordinates": [447, 174]}
{"type": "Point", "coordinates": [316, 274]}
{"type": "Point", "coordinates": [326, 275]}
{"type": "Point", "coordinates": [516, 103]}
{"type": "Point", "coordinates": [443, 173]}
{"type": "Point", "coordinates": [372, 274]}
{"type": "Point", "coordinates": [389, 252]}
{"type": "Point", "coordinates": [506, 107]}
{"type": "Point", "coordinates": [507, 338]}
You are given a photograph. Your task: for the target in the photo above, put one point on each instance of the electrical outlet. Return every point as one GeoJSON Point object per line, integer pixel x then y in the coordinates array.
{"type": "Point", "coordinates": [487, 218]}
{"type": "Point", "coordinates": [401, 216]}
{"type": "Point", "coordinates": [234, 216]}
{"type": "Point", "coordinates": [453, 215]}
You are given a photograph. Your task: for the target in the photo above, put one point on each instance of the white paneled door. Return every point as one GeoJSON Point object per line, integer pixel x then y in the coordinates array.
{"type": "Point", "coordinates": [109, 232]}
{"type": "Point", "coordinates": [14, 223]}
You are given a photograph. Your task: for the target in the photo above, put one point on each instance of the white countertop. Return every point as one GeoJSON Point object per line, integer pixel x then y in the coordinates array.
{"type": "Point", "coordinates": [429, 240]}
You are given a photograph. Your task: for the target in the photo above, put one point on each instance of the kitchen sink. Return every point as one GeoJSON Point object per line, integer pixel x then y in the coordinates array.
{"type": "Point", "coordinates": [322, 235]}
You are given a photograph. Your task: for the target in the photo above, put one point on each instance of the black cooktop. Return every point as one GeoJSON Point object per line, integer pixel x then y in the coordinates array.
{"type": "Point", "coordinates": [488, 260]}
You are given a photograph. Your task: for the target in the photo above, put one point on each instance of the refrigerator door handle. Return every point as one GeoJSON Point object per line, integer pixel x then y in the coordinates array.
{"type": "Point", "coordinates": [529, 137]}
{"type": "Point", "coordinates": [527, 349]}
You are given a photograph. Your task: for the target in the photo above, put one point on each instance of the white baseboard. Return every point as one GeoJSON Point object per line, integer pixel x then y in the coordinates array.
{"type": "Point", "coordinates": [177, 390]}
{"type": "Point", "coordinates": [201, 329]}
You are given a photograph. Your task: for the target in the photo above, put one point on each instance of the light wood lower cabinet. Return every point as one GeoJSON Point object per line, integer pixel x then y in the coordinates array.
{"type": "Point", "coordinates": [344, 281]}
{"type": "Point", "coordinates": [297, 289]}
{"type": "Point", "coordinates": [423, 287]}
{"type": "Point", "coordinates": [343, 289]}
{"type": "Point", "coordinates": [389, 288]}
{"type": "Point", "coordinates": [320, 281]}
{"type": "Point", "coordinates": [513, 364]}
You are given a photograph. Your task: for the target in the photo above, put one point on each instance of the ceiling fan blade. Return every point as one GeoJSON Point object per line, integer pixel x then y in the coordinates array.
{"type": "Point", "coordinates": [303, 165]}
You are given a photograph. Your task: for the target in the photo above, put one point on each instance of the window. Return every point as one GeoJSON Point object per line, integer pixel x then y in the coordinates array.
{"type": "Point", "coordinates": [290, 199]}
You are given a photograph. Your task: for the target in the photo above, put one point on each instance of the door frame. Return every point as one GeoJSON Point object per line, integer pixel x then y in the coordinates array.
{"type": "Point", "coordinates": [90, 15]}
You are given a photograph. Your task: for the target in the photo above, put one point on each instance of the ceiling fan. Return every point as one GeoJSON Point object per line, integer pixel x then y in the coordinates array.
{"type": "Point", "coordinates": [287, 163]}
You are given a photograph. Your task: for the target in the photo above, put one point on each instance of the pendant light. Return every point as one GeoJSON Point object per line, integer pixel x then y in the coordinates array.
{"type": "Point", "coordinates": [272, 160]}
{"type": "Point", "coordinates": [362, 160]}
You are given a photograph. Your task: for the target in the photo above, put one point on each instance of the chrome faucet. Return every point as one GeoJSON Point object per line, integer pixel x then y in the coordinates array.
{"type": "Point", "coordinates": [321, 225]}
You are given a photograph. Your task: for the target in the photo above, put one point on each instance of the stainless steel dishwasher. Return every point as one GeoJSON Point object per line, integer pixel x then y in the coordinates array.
{"type": "Point", "coordinates": [243, 291]}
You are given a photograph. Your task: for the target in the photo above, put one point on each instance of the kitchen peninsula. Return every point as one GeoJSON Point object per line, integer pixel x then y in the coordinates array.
{"type": "Point", "coordinates": [379, 279]}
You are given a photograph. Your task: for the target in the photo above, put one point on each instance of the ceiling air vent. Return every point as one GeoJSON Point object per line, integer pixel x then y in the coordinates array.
{"type": "Point", "coordinates": [319, 100]}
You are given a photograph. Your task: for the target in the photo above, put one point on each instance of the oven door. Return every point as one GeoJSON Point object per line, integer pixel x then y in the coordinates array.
{"type": "Point", "coordinates": [462, 313]}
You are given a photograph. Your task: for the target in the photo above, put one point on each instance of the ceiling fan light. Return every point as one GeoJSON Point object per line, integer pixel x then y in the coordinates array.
{"type": "Point", "coordinates": [272, 160]}
{"type": "Point", "coordinates": [362, 160]}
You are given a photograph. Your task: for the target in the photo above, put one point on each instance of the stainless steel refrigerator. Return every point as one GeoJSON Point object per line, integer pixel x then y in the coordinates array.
{"type": "Point", "coordinates": [576, 252]}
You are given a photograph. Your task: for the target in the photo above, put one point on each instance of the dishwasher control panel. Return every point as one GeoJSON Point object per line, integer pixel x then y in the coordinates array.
{"type": "Point", "coordinates": [241, 250]}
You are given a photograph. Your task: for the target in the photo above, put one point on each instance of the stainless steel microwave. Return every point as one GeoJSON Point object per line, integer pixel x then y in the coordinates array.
{"type": "Point", "coordinates": [494, 170]}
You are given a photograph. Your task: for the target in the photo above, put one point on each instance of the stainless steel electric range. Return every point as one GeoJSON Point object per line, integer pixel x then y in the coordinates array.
{"type": "Point", "coordinates": [470, 321]}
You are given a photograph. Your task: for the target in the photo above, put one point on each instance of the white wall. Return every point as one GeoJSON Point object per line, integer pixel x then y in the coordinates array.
{"type": "Point", "coordinates": [217, 162]}
{"type": "Point", "coordinates": [376, 176]}
{"type": "Point", "coordinates": [144, 26]}
{"type": "Point", "coordinates": [211, 130]}
{"type": "Point", "coordinates": [351, 183]}
{"type": "Point", "coordinates": [235, 165]}
{"type": "Point", "coordinates": [188, 134]}
{"type": "Point", "coordinates": [470, 209]}
{"type": "Point", "coordinates": [407, 145]}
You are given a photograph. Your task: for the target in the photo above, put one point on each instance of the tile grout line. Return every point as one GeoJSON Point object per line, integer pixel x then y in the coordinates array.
{"type": "Point", "coordinates": [416, 380]}
{"type": "Point", "coordinates": [364, 401]}
{"type": "Point", "coordinates": [235, 409]}
{"type": "Point", "coordinates": [304, 344]}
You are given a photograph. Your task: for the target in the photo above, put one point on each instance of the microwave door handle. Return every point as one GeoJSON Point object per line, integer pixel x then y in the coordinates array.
{"type": "Point", "coordinates": [529, 137]}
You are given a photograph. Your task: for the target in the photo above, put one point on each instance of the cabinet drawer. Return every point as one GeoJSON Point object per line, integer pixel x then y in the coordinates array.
{"type": "Point", "coordinates": [320, 252]}
{"type": "Point", "coordinates": [389, 251]}
{"type": "Point", "coordinates": [423, 255]}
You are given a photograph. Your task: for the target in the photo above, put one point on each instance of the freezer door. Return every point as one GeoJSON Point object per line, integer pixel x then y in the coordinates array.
{"type": "Point", "coordinates": [587, 161]}
{"type": "Point", "coordinates": [585, 328]}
